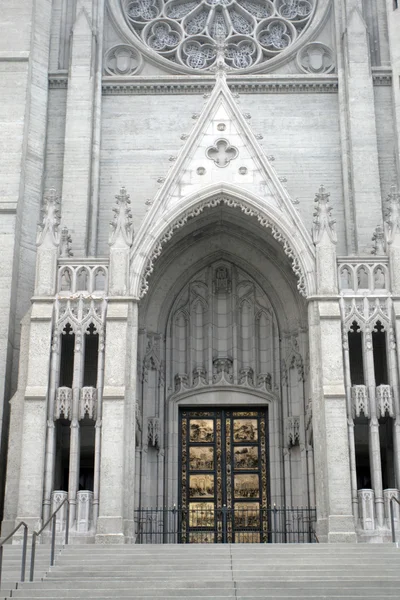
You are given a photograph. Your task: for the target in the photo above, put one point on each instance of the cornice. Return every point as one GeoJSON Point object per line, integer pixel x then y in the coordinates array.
{"type": "Point", "coordinates": [203, 84]}
{"type": "Point", "coordinates": [178, 84]}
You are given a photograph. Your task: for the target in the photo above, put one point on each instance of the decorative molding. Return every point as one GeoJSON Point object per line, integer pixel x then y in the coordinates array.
{"type": "Point", "coordinates": [384, 401]}
{"type": "Point", "coordinates": [154, 432]}
{"type": "Point", "coordinates": [59, 80]}
{"type": "Point", "coordinates": [88, 403]}
{"type": "Point", "coordinates": [122, 60]}
{"type": "Point", "coordinates": [232, 203]}
{"type": "Point", "coordinates": [316, 58]}
{"type": "Point", "coordinates": [360, 401]}
{"type": "Point", "coordinates": [257, 84]}
{"type": "Point", "coordinates": [63, 404]}
{"type": "Point", "coordinates": [382, 76]}
{"type": "Point", "coordinates": [292, 431]}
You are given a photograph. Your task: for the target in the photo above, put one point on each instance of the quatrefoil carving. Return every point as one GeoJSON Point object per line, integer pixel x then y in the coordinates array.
{"type": "Point", "coordinates": [222, 153]}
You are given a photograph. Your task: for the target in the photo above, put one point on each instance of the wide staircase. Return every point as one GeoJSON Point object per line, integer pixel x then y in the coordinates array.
{"type": "Point", "coordinates": [241, 571]}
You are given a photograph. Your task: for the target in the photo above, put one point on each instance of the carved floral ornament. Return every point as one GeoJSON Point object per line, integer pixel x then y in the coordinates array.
{"type": "Point", "coordinates": [231, 203]}
{"type": "Point", "coordinates": [186, 31]}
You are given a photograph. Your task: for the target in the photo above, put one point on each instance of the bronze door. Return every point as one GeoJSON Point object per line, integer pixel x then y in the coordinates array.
{"type": "Point", "coordinates": [223, 476]}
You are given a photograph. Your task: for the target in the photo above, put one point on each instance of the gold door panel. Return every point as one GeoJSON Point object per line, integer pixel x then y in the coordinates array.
{"type": "Point", "coordinates": [223, 488]}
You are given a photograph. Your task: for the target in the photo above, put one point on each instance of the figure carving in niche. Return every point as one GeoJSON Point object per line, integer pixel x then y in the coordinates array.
{"type": "Point", "coordinates": [66, 280]}
{"type": "Point", "coordinates": [362, 278]}
{"type": "Point", "coordinates": [379, 279]}
{"type": "Point", "coordinates": [82, 280]}
{"type": "Point", "coordinates": [345, 279]}
{"type": "Point", "coordinates": [199, 376]}
{"type": "Point", "coordinates": [222, 282]}
{"type": "Point", "coordinates": [222, 370]}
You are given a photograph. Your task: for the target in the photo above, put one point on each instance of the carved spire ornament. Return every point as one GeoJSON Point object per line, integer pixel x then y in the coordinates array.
{"type": "Point", "coordinates": [392, 214]}
{"type": "Point", "coordinates": [378, 239]}
{"type": "Point", "coordinates": [65, 243]}
{"type": "Point", "coordinates": [121, 225]}
{"type": "Point", "coordinates": [323, 222]}
{"type": "Point", "coordinates": [48, 229]}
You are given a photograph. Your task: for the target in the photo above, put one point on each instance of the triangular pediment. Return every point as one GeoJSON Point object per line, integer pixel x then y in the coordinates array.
{"type": "Point", "coordinates": [221, 149]}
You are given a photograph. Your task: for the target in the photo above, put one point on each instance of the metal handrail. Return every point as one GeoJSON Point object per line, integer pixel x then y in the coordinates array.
{"type": "Point", "coordinates": [36, 534]}
{"type": "Point", "coordinates": [24, 548]}
{"type": "Point", "coordinates": [393, 499]}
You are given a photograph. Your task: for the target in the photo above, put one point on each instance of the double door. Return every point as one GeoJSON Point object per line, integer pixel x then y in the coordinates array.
{"type": "Point", "coordinates": [223, 483]}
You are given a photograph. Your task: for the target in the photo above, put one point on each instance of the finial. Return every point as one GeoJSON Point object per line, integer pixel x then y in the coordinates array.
{"type": "Point", "coordinates": [378, 239]}
{"type": "Point", "coordinates": [121, 225]}
{"type": "Point", "coordinates": [391, 214]}
{"type": "Point", "coordinates": [48, 229]}
{"type": "Point", "coordinates": [323, 221]}
{"type": "Point", "coordinates": [65, 243]}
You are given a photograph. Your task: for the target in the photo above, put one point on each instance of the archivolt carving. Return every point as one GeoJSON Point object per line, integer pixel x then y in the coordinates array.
{"type": "Point", "coordinates": [231, 203]}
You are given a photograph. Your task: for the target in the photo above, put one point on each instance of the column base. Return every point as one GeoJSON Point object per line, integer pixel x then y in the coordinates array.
{"type": "Point", "coordinates": [341, 530]}
{"type": "Point", "coordinates": [109, 531]}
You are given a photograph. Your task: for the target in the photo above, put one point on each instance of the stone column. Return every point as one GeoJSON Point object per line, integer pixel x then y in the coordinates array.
{"type": "Point", "coordinates": [331, 447]}
{"type": "Point", "coordinates": [117, 473]}
{"type": "Point", "coordinates": [362, 195]}
{"type": "Point", "coordinates": [37, 385]}
{"type": "Point", "coordinates": [74, 440]}
{"type": "Point", "coordinates": [374, 440]}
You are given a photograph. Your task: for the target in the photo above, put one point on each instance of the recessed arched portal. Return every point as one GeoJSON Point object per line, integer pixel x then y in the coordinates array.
{"type": "Point", "coordinates": [223, 327]}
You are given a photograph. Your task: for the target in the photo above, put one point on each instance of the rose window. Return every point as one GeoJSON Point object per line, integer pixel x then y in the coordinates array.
{"type": "Point", "coordinates": [191, 32]}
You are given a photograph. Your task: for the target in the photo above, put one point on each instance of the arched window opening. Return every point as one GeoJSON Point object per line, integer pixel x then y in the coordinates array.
{"type": "Point", "coordinates": [67, 357]}
{"type": "Point", "coordinates": [61, 471]}
{"type": "Point", "coordinates": [91, 357]}
{"type": "Point", "coordinates": [356, 355]}
{"type": "Point", "coordinates": [380, 355]}
{"type": "Point", "coordinates": [87, 444]}
{"type": "Point", "coordinates": [361, 439]}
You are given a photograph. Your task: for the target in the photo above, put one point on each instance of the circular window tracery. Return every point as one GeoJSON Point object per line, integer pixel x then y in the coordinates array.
{"type": "Point", "coordinates": [190, 32]}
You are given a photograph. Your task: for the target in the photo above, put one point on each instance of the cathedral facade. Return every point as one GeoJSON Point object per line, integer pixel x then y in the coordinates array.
{"type": "Point", "coordinates": [200, 265]}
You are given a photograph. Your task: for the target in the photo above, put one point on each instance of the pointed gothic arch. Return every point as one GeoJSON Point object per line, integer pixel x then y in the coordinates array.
{"type": "Point", "coordinates": [294, 239]}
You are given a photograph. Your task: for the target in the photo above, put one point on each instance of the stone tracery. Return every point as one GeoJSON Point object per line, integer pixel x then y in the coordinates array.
{"type": "Point", "coordinates": [187, 32]}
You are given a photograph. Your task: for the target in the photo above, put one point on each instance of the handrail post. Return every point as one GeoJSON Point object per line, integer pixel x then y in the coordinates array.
{"type": "Point", "coordinates": [67, 526]}
{"type": "Point", "coordinates": [53, 541]}
{"type": "Point", "coordinates": [1, 562]}
{"type": "Point", "coordinates": [392, 520]}
{"type": "Point", "coordinates": [24, 548]}
{"type": "Point", "coordinates": [33, 556]}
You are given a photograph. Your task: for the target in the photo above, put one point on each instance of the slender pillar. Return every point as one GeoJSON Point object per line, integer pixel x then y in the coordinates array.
{"type": "Point", "coordinates": [74, 440]}
{"type": "Point", "coordinates": [374, 440]}
{"type": "Point", "coordinates": [97, 441]}
{"type": "Point", "coordinates": [350, 425]}
{"type": "Point", "coordinates": [51, 429]}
